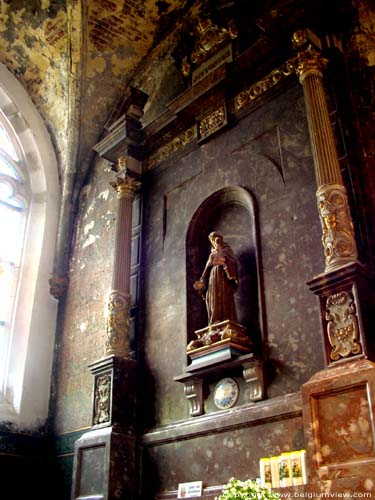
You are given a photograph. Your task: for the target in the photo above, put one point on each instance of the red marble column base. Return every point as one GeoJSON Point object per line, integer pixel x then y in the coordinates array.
{"type": "Point", "coordinates": [338, 414]}
{"type": "Point", "coordinates": [347, 297]}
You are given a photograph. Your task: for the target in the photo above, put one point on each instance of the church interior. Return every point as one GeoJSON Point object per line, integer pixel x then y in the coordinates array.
{"type": "Point", "coordinates": [187, 197]}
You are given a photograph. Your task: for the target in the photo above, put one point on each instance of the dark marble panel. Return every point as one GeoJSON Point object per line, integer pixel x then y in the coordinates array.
{"type": "Point", "coordinates": [217, 456]}
{"type": "Point", "coordinates": [91, 470]}
{"type": "Point", "coordinates": [12, 443]}
{"type": "Point", "coordinates": [105, 465]}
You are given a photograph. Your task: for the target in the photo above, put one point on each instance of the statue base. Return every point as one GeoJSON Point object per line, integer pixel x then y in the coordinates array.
{"type": "Point", "coordinates": [221, 351]}
{"type": "Point", "coordinates": [224, 330]}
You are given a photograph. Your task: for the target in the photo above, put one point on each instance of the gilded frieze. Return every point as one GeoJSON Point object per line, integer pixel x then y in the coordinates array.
{"type": "Point", "coordinates": [262, 86]}
{"type": "Point", "coordinates": [342, 326]}
{"type": "Point", "coordinates": [212, 122]}
{"type": "Point", "coordinates": [217, 119]}
{"type": "Point", "coordinates": [172, 146]}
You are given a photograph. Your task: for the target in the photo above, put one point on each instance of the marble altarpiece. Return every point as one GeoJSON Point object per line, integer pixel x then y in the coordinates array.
{"type": "Point", "coordinates": [266, 197]}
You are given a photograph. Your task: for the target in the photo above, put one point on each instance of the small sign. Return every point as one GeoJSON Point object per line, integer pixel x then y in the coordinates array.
{"type": "Point", "coordinates": [189, 490]}
{"type": "Point", "coordinates": [223, 56]}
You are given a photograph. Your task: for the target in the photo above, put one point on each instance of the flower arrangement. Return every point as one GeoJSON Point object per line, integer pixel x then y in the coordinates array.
{"type": "Point", "coordinates": [246, 490]}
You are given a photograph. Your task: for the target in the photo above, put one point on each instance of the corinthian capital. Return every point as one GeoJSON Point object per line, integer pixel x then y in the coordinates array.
{"type": "Point", "coordinates": [310, 62]}
{"type": "Point", "coordinates": [126, 186]}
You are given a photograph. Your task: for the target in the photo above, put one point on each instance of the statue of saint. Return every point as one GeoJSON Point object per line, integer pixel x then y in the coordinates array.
{"type": "Point", "coordinates": [219, 281]}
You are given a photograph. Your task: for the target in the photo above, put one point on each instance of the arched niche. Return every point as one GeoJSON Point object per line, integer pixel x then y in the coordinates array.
{"type": "Point", "coordinates": [232, 212]}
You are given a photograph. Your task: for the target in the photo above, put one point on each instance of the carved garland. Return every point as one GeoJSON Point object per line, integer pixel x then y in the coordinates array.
{"type": "Point", "coordinates": [102, 400]}
{"type": "Point", "coordinates": [342, 326]}
{"type": "Point", "coordinates": [172, 146]}
{"type": "Point", "coordinates": [218, 116]}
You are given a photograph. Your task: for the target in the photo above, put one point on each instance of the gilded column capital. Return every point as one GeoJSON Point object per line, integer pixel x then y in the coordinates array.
{"type": "Point", "coordinates": [310, 62]}
{"type": "Point", "coordinates": [126, 186]}
{"type": "Point", "coordinates": [118, 323]}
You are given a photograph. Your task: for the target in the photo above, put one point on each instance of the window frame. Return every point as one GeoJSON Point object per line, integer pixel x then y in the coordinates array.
{"type": "Point", "coordinates": [24, 395]}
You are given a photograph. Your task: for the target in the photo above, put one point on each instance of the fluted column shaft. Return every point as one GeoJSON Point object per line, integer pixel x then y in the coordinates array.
{"type": "Point", "coordinates": [327, 168]}
{"type": "Point", "coordinates": [337, 228]}
{"type": "Point", "coordinates": [118, 319]}
{"type": "Point", "coordinates": [122, 258]}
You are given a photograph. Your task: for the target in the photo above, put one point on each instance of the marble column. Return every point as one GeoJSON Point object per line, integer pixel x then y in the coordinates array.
{"type": "Point", "coordinates": [110, 446]}
{"type": "Point", "coordinates": [341, 397]}
{"type": "Point", "coordinates": [344, 287]}
{"type": "Point", "coordinates": [105, 457]}
{"type": "Point", "coordinates": [118, 320]}
{"type": "Point", "coordinates": [337, 228]}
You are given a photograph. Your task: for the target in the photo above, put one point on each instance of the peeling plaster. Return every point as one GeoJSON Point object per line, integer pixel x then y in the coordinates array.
{"type": "Point", "coordinates": [88, 227]}
{"type": "Point", "coordinates": [90, 240]}
{"type": "Point", "coordinates": [104, 195]}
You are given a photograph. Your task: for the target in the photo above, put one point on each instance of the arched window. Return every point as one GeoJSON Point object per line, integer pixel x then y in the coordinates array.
{"type": "Point", "coordinates": [29, 205]}
{"type": "Point", "coordinates": [14, 204]}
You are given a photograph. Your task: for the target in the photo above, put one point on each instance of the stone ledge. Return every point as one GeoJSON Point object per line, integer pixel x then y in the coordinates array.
{"type": "Point", "coordinates": [280, 408]}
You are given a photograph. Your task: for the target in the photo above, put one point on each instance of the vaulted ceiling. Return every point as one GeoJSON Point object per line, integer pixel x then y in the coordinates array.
{"type": "Point", "coordinates": [76, 57]}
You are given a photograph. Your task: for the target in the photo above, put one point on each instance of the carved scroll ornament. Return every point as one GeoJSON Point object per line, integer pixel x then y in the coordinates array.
{"type": "Point", "coordinates": [102, 400]}
{"type": "Point", "coordinates": [342, 326]}
{"type": "Point", "coordinates": [171, 147]}
{"type": "Point", "coordinates": [338, 234]}
{"type": "Point", "coordinates": [118, 323]}
{"type": "Point", "coordinates": [212, 122]}
{"type": "Point", "coordinates": [209, 37]}
{"type": "Point", "coordinates": [262, 86]}
{"type": "Point", "coordinates": [194, 394]}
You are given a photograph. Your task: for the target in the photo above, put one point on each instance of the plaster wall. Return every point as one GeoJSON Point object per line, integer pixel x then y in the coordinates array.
{"type": "Point", "coordinates": [81, 339]}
